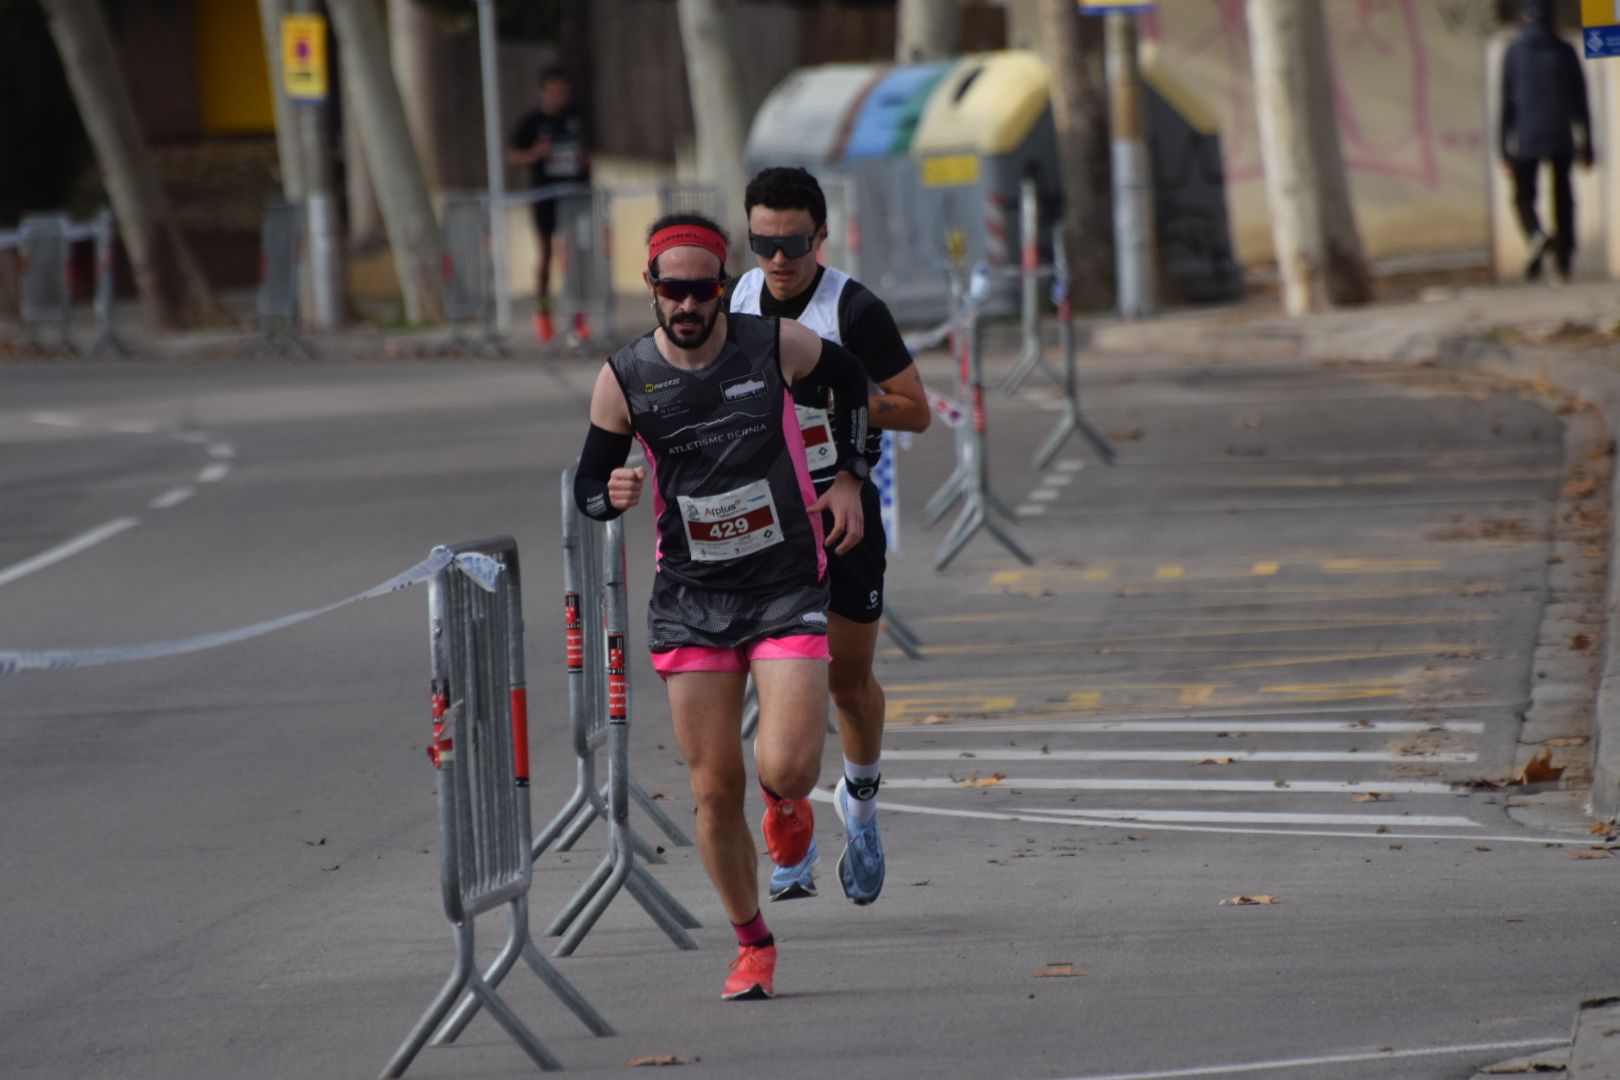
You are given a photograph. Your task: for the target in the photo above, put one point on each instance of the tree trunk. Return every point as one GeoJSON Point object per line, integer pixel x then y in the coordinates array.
{"type": "Point", "coordinates": [1075, 55]}
{"type": "Point", "coordinates": [411, 32]}
{"type": "Point", "coordinates": [413, 233]}
{"type": "Point", "coordinates": [1319, 254]}
{"type": "Point", "coordinates": [926, 30]}
{"type": "Point", "coordinates": [173, 291]}
{"type": "Point", "coordinates": [717, 109]}
{"type": "Point", "coordinates": [366, 232]}
{"type": "Point", "coordinates": [289, 150]}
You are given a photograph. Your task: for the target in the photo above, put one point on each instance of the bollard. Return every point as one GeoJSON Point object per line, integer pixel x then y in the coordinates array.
{"type": "Point", "coordinates": [46, 290]}
{"type": "Point", "coordinates": [106, 234]}
{"type": "Point", "coordinates": [280, 251]}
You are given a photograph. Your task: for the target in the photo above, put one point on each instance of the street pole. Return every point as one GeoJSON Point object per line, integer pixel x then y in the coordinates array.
{"type": "Point", "coordinates": [495, 163]}
{"type": "Point", "coordinates": [1133, 179]}
{"type": "Point", "coordinates": [320, 208]}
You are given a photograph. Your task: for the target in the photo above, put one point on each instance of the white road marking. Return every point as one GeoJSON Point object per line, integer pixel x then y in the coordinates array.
{"type": "Point", "coordinates": [221, 450]}
{"type": "Point", "coordinates": [1057, 479]}
{"type": "Point", "coordinates": [55, 419]}
{"type": "Point", "coordinates": [1333, 1059]}
{"type": "Point", "coordinates": [1186, 756]}
{"type": "Point", "coordinates": [171, 498]}
{"type": "Point", "coordinates": [1044, 494]}
{"type": "Point", "coordinates": [1260, 817]}
{"type": "Point", "coordinates": [135, 427]}
{"type": "Point", "coordinates": [1070, 465]}
{"type": "Point", "coordinates": [1029, 510]}
{"type": "Point", "coordinates": [1211, 727]}
{"type": "Point", "coordinates": [219, 470]}
{"type": "Point", "coordinates": [67, 549]}
{"type": "Point", "coordinates": [1041, 783]}
{"type": "Point", "coordinates": [1046, 818]}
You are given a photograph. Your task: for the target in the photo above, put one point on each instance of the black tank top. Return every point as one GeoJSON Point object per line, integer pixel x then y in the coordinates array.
{"type": "Point", "coordinates": [729, 493]}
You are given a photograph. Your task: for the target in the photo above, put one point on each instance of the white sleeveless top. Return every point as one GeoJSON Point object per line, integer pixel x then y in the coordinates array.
{"type": "Point", "coordinates": [820, 315]}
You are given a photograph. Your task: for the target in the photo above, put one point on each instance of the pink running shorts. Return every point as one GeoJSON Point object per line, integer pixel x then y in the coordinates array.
{"type": "Point", "coordinates": [737, 658]}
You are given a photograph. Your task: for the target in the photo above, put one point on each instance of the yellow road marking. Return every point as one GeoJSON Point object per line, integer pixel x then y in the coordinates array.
{"type": "Point", "coordinates": [1355, 689]}
{"type": "Point", "coordinates": [907, 710]}
{"type": "Point", "coordinates": [1379, 566]}
{"type": "Point", "coordinates": [1169, 572]}
{"type": "Point", "coordinates": [1265, 569]}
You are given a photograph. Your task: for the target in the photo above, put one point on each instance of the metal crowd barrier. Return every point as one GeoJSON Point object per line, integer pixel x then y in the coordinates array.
{"type": "Point", "coordinates": [1033, 354]}
{"type": "Point", "coordinates": [44, 252]}
{"type": "Point", "coordinates": [970, 482]}
{"type": "Point", "coordinates": [584, 225]}
{"type": "Point", "coordinates": [618, 868]}
{"type": "Point", "coordinates": [587, 694]}
{"type": "Point", "coordinates": [480, 754]}
{"type": "Point", "coordinates": [1072, 422]}
{"type": "Point", "coordinates": [281, 248]}
{"type": "Point", "coordinates": [469, 297]}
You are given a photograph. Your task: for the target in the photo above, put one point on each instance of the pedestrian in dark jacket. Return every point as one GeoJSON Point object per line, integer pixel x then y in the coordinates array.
{"type": "Point", "coordinates": [1543, 102]}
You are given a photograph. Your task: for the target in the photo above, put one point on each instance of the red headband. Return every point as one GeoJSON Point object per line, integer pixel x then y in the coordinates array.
{"type": "Point", "coordinates": [687, 236]}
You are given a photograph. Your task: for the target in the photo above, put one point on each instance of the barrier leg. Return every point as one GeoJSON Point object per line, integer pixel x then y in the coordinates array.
{"type": "Point", "coordinates": [505, 1017]}
{"type": "Point", "coordinates": [655, 900]}
{"type": "Point", "coordinates": [618, 871]}
{"type": "Point", "coordinates": [555, 827]}
{"type": "Point", "coordinates": [520, 944]}
{"type": "Point", "coordinates": [424, 1027]}
{"type": "Point", "coordinates": [582, 896]}
{"type": "Point", "coordinates": [901, 634]}
{"type": "Point", "coordinates": [642, 878]}
{"type": "Point", "coordinates": [661, 819]}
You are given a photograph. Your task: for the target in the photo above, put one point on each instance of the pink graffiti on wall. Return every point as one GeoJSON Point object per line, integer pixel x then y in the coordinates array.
{"type": "Point", "coordinates": [1385, 34]}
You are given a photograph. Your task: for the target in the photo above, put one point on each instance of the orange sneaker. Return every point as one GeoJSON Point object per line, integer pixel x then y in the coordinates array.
{"type": "Point", "coordinates": [753, 974]}
{"type": "Point", "coordinates": [582, 327]}
{"type": "Point", "coordinates": [789, 826]}
{"type": "Point", "coordinates": [542, 326]}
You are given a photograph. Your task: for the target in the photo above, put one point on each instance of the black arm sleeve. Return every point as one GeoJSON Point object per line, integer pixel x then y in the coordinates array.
{"type": "Point", "coordinates": [604, 451]}
{"type": "Point", "coordinates": [843, 374]}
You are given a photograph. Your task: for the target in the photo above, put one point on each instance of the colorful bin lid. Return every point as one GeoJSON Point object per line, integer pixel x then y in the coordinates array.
{"type": "Point", "coordinates": [988, 104]}
{"type": "Point", "coordinates": [887, 119]}
{"type": "Point", "coordinates": [805, 120]}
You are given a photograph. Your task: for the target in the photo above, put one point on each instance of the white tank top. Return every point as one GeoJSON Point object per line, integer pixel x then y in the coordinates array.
{"type": "Point", "coordinates": [820, 315]}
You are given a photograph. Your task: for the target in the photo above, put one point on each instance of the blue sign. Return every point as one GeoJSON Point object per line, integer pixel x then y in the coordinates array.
{"type": "Point", "coordinates": [1601, 41]}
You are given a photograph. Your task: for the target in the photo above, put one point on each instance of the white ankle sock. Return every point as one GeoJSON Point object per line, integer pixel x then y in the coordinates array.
{"type": "Point", "coordinates": [862, 811]}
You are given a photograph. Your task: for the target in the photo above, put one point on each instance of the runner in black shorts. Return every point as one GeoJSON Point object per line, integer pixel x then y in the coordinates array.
{"type": "Point", "coordinates": [741, 582]}
{"type": "Point", "coordinates": [550, 140]}
{"type": "Point", "coordinates": [787, 224]}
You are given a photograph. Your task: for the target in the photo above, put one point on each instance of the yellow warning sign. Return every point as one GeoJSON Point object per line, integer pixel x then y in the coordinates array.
{"type": "Point", "coordinates": [303, 57]}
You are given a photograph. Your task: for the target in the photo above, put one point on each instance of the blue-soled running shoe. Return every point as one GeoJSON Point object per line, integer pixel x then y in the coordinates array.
{"type": "Point", "coordinates": [798, 880]}
{"type": "Point", "coordinates": [860, 867]}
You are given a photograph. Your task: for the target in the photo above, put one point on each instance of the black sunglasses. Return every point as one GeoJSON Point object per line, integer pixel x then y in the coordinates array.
{"type": "Point", "coordinates": [795, 246]}
{"type": "Point", "coordinates": [700, 289]}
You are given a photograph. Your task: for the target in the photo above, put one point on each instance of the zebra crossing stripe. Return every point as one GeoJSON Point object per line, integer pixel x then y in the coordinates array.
{"type": "Point", "coordinates": [1261, 817]}
{"type": "Point", "coordinates": [1186, 756]}
{"type": "Point", "coordinates": [1315, 787]}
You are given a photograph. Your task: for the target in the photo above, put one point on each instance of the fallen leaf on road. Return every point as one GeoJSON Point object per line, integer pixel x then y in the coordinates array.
{"type": "Point", "coordinates": [1214, 761]}
{"type": "Point", "coordinates": [1279, 783]}
{"type": "Point", "coordinates": [1056, 971]}
{"type": "Point", "coordinates": [920, 884]}
{"type": "Point", "coordinates": [1538, 769]}
{"type": "Point", "coordinates": [1580, 642]}
{"type": "Point", "coordinates": [1593, 853]}
{"type": "Point", "coordinates": [934, 718]}
{"type": "Point", "coordinates": [1125, 434]}
{"type": "Point", "coordinates": [1249, 901]}
{"type": "Point", "coordinates": [982, 781]}
{"type": "Point", "coordinates": [1567, 740]}
{"type": "Point", "coordinates": [661, 1059]}
{"type": "Point", "coordinates": [1578, 489]}
{"type": "Point", "coordinates": [1601, 828]}
{"type": "Point", "coordinates": [1368, 796]}
{"type": "Point", "coordinates": [1250, 421]}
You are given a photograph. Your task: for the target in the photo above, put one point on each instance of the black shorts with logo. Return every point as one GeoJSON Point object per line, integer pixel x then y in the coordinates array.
{"type": "Point", "coordinates": [855, 578]}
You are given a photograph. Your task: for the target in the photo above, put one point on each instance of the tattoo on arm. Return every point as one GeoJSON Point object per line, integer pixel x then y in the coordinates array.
{"type": "Point", "coordinates": [884, 405]}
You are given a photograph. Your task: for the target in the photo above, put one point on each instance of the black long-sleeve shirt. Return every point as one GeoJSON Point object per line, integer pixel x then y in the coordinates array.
{"type": "Point", "coordinates": [1543, 98]}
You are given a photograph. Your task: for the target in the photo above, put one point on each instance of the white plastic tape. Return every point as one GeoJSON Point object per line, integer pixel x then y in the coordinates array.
{"type": "Point", "coordinates": [476, 566]}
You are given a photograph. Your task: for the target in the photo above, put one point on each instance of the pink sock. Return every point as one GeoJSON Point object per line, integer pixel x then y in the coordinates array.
{"type": "Point", "coordinates": [753, 932]}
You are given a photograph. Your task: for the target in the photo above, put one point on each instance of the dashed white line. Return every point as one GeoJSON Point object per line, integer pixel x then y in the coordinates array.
{"type": "Point", "coordinates": [1070, 465]}
{"type": "Point", "coordinates": [55, 419]}
{"type": "Point", "coordinates": [66, 550]}
{"type": "Point", "coordinates": [1044, 494]}
{"type": "Point", "coordinates": [1188, 756]}
{"type": "Point", "coordinates": [1332, 1059]}
{"type": "Point", "coordinates": [1285, 786]}
{"type": "Point", "coordinates": [219, 470]}
{"type": "Point", "coordinates": [1216, 727]}
{"type": "Point", "coordinates": [1261, 817]}
{"type": "Point", "coordinates": [1057, 479]}
{"type": "Point", "coordinates": [171, 498]}
{"type": "Point", "coordinates": [222, 451]}
{"type": "Point", "coordinates": [135, 427]}
{"type": "Point", "coordinates": [1030, 510]}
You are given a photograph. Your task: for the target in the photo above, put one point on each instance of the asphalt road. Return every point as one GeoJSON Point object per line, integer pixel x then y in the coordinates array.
{"type": "Point", "coordinates": [1274, 652]}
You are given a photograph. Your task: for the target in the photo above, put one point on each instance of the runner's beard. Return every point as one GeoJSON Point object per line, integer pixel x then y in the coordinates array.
{"type": "Point", "coordinates": [689, 331]}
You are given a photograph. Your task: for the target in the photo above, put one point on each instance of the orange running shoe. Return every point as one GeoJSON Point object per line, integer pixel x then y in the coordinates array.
{"type": "Point", "coordinates": [582, 327]}
{"type": "Point", "coordinates": [789, 826]}
{"type": "Point", "coordinates": [753, 974]}
{"type": "Point", "coordinates": [542, 326]}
